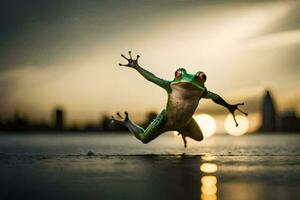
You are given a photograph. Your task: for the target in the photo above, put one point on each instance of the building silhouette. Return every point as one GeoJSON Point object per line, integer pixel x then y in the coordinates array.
{"type": "Point", "coordinates": [58, 119]}
{"type": "Point", "coordinates": [269, 116]}
{"type": "Point", "coordinates": [289, 122]}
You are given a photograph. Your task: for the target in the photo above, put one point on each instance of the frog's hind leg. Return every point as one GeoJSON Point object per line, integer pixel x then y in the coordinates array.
{"type": "Point", "coordinates": [155, 128]}
{"type": "Point", "coordinates": [145, 135]}
{"type": "Point", "coordinates": [135, 129]}
{"type": "Point", "coordinates": [184, 140]}
{"type": "Point", "coordinates": [191, 130]}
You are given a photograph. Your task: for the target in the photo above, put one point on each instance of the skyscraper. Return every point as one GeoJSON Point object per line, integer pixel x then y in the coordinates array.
{"type": "Point", "coordinates": [268, 113]}
{"type": "Point", "coordinates": [58, 119]}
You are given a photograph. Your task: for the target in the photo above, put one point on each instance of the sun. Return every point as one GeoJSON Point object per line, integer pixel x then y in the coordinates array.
{"type": "Point", "coordinates": [239, 130]}
{"type": "Point", "coordinates": [207, 124]}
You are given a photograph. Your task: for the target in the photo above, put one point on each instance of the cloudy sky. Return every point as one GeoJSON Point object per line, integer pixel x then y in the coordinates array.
{"type": "Point", "coordinates": [66, 53]}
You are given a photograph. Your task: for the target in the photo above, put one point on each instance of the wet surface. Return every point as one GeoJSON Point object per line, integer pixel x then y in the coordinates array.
{"type": "Point", "coordinates": [221, 167]}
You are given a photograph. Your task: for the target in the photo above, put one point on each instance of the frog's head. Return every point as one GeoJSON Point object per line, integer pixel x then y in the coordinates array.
{"type": "Point", "coordinates": [189, 80]}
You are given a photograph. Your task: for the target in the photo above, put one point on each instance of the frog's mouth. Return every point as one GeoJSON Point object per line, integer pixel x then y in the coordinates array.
{"type": "Point", "coordinates": [188, 86]}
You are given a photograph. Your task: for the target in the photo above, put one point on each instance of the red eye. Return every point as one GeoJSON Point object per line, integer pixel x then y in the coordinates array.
{"type": "Point", "coordinates": [201, 77]}
{"type": "Point", "coordinates": [178, 73]}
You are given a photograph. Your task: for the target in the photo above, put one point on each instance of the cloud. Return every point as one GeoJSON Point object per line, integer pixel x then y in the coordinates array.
{"type": "Point", "coordinates": [35, 33]}
{"type": "Point", "coordinates": [290, 21]}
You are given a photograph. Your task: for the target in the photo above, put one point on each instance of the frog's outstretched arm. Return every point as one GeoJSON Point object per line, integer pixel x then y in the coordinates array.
{"type": "Point", "coordinates": [219, 100]}
{"type": "Point", "coordinates": [146, 74]}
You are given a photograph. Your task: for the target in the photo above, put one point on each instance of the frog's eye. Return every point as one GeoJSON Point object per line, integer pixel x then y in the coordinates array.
{"type": "Point", "coordinates": [201, 77]}
{"type": "Point", "coordinates": [178, 73]}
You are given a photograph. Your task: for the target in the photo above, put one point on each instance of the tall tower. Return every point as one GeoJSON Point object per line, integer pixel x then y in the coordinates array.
{"type": "Point", "coordinates": [268, 113]}
{"type": "Point", "coordinates": [58, 119]}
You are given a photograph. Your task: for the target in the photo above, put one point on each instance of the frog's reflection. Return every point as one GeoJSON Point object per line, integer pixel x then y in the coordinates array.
{"type": "Point", "coordinates": [208, 179]}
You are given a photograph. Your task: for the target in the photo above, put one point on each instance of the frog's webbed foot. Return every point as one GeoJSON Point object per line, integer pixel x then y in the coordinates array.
{"type": "Point", "coordinates": [234, 108]}
{"type": "Point", "coordinates": [126, 122]}
{"type": "Point", "coordinates": [123, 121]}
{"type": "Point", "coordinates": [131, 62]}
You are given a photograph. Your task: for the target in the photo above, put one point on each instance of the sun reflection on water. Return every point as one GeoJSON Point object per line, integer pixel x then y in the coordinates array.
{"type": "Point", "coordinates": [209, 197]}
{"type": "Point", "coordinates": [208, 167]}
{"type": "Point", "coordinates": [208, 158]}
{"type": "Point", "coordinates": [208, 182]}
{"type": "Point", "coordinates": [208, 190]}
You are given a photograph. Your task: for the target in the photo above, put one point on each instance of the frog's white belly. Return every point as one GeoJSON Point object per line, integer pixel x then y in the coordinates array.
{"type": "Point", "coordinates": [182, 103]}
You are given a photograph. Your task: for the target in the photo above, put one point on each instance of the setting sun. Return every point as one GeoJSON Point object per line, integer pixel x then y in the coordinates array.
{"type": "Point", "coordinates": [207, 124]}
{"type": "Point", "coordinates": [239, 130]}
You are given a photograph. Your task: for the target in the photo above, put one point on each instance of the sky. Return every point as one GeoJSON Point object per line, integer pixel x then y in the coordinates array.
{"type": "Point", "coordinates": [66, 53]}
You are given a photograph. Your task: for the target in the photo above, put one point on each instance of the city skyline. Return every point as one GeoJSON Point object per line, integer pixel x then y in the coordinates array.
{"type": "Point", "coordinates": [271, 120]}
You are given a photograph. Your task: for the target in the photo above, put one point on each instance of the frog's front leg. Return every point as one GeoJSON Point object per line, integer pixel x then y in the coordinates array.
{"type": "Point", "coordinates": [133, 63]}
{"type": "Point", "coordinates": [155, 129]}
{"type": "Point", "coordinates": [219, 100]}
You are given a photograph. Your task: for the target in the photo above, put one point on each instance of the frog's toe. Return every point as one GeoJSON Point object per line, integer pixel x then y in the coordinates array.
{"type": "Point", "coordinates": [126, 116]}
{"type": "Point", "coordinates": [119, 115]}
{"type": "Point", "coordinates": [113, 120]}
{"type": "Point", "coordinates": [184, 140]}
{"type": "Point", "coordinates": [122, 120]}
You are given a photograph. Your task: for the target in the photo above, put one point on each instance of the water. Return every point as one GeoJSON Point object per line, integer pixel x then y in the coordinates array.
{"type": "Point", "coordinates": [56, 166]}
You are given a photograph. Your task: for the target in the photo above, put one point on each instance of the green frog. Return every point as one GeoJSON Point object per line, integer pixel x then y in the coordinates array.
{"type": "Point", "coordinates": [184, 93]}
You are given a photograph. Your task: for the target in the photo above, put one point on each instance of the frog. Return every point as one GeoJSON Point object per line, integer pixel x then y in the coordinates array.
{"type": "Point", "coordinates": [184, 94]}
